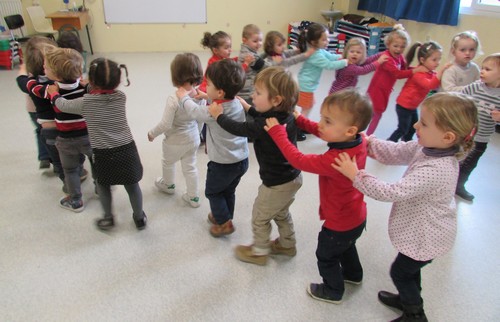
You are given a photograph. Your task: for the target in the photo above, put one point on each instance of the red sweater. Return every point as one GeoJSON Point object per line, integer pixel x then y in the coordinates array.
{"type": "Point", "coordinates": [341, 206]}
{"type": "Point", "coordinates": [213, 59]}
{"type": "Point", "coordinates": [416, 89]}
{"type": "Point", "coordinates": [384, 78]}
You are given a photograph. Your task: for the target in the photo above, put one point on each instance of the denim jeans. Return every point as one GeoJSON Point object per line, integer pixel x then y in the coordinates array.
{"type": "Point", "coordinates": [43, 154]}
{"type": "Point", "coordinates": [338, 258]}
{"type": "Point", "coordinates": [406, 119]}
{"type": "Point", "coordinates": [220, 188]}
{"type": "Point", "coordinates": [405, 274]}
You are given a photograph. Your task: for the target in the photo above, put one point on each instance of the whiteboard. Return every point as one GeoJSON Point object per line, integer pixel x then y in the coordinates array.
{"type": "Point", "coordinates": [154, 11]}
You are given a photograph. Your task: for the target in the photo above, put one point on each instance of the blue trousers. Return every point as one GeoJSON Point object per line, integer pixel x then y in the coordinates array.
{"type": "Point", "coordinates": [405, 274]}
{"type": "Point", "coordinates": [406, 119]}
{"type": "Point", "coordinates": [220, 188]}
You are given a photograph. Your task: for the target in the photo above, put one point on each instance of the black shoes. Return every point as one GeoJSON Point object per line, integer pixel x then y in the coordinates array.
{"type": "Point", "coordinates": [141, 223]}
{"type": "Point", "coordinates": [105, 223]}
{"type": "Point", "coordinates": [463, 193]}
{"type": "Point", "coordinates": [390, 299]}
{"type": "Point", "coordinates": [300, 136]}
{"type": "Point", "coordinates": [319, 292]}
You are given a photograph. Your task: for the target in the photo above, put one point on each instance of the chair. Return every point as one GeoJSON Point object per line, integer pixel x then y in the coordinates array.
{"type": "Point", "coordinates": [68, 41]}
{"type": "Point", "coordinates": [14, 22]}
{"type": "Point", "coordinates": [41, 24]}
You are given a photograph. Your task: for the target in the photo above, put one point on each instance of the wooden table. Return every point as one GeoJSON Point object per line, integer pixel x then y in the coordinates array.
{"type": "Point", "coordinates": [77, 19]}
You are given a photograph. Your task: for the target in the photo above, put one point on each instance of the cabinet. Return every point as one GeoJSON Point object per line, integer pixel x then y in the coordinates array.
{"type": "Point", "coordinates": [373, 36]}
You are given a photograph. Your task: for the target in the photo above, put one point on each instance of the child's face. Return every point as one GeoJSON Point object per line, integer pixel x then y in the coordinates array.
{"type": "Point", "coordinates": [213, 92]}
{"type": "Point", "coordinates": [397, 46]}
{"type": "Point", "coordinates": [260, 97]}
{"type": "Point", "coordinates": [224, 50]}
{"type": "Point", "coordinates": [490, 73]}
{"type": "Point", "coordinates": [428, 134]}
{"type": "Point", "coordinates": [322, 42]}
{"type": "Point", "coordinates": [335, 125]}
{"type": "Point", "coordinates": [254, 41]}
{"type": "Point", "coordinates": [465, 51]}
{"type": "Point", "coordinates": [355, 54]}
{"type": "Point", "coordinates": [432, 62]}
{"type": "Point", "coordinates": [48, 72]}
{"type": "Point", "coordinates": [279, 46]}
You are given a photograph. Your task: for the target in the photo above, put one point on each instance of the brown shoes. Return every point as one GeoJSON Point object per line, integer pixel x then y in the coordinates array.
{"type": "Point", "coordinates": [277, 249]}
{"type": "Point", "coordinates": [226, 228]}
{"type": "Point", "coordinates": [245, 254]}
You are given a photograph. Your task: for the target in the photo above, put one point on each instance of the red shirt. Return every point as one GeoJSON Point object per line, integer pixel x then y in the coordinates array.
{"type": "Point", "coordinates": [416, 89]}
{"type": "Point", "coordinates": [213, 59]}
{"type": "Point", "coordinates": [341, 206]}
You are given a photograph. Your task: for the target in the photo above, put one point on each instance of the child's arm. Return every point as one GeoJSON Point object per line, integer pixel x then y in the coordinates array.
{"type": "Point", "coordinates": [293, 57]}
{"type": "Point", "coordinates": [391, 68]}
{"type": "Point", "coordinates": [422, 80]}
{"type": "Point", "coordinates": [74, 106]}
{"type": "Point", "coordinates": [388, 152]}
{"type": "Point", "coordinates": [197, 112]}
{"type": "Point", "coordinates": [250, 129]}
{"type": "Point", "coordinates": [306, 124]}
{"type": "Point", "coordinates": [495, 115]}
{"type": "Point", "coordinates": [326, 61]}
{"type": "Point", "coordinates": [167, 120]}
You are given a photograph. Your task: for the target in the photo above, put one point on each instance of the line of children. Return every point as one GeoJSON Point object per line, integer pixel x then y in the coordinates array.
{"type": "Point", "coordinates": [275, 95]}
{"type": "Point", "coordinates": [423, 221]}
{"type": "Point", "coordinates": [416, 88]}
{"type": "Point", "coordinates": [359, 64]}
{"type": "Point", "coordinates": [228, 154]}
{"type": "Point", "coordinates": [182, 137]}
{"type": "Point", "coordinates": [344, 115]}
{"type": "Point", "coordinates": [115, 155]}
{"type": "Point", "coordinates": [276, 54]}
{"type": "Point", "coordinates": [316, 36]}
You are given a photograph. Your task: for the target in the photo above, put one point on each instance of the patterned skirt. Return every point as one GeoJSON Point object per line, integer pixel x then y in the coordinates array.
{"type": "Point", "coordinates": [118, 166]}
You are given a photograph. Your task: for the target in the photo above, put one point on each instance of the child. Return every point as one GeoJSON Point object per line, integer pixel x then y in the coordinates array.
{"type": "Point", "coordinates": [486, 95]}
{"type": "Point", "coordinates": [344, 115]}
{"type": "Point", "coordinates": [228, 153]}
{"type": "Point", "coordinates": [464, 47]}
{"type": "Point", "coordinates": [275, 53]}
{"type": "Point", "coordinates": [416, 88]}
{"type": "Point", "coordinates": [64, 66]}
{"type": "Point", "coordinates": [274, 96]}
{"type": "Point", "coordinates": [359, 64]}
{"type": "Point", "coordinates": [115, 155]}
{"type": "Point", "coordinates": [423, 222]}
{"type": "Point", "coordinates": [181, 132]}
{"type": "Point", "coordinates": [310, 73]}
{"type": "Point", "coordinates": [385, 75]}
{"type": "Point", "coordinates": [251, 43]}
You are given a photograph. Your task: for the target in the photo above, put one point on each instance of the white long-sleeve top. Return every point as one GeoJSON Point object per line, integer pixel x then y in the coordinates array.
{"type": "Point", "coordinates": [177, 125]}
{"type": "Point", "coordinates": [422, 223]}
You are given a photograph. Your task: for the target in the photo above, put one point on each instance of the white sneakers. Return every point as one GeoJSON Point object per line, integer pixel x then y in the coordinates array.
{"type": "Point", "coordinates": [170, 189]}
{"type": "Point", "coordinates": [193, 202]}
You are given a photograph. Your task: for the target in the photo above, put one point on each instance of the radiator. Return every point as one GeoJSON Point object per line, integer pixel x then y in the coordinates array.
{"type": "Point", "coordinates": [11, 7]}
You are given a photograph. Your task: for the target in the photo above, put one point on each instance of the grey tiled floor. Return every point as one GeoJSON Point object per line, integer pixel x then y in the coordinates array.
{"type": "Point", "coordinates": [55, 266]}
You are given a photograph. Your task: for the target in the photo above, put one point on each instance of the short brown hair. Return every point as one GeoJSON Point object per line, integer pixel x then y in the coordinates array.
{"type": "Point", "coordinates": [186, 68]}
{"type": "Point", "coordinates": [250, 30]}
{"type": "Point", "coordinates": [270, 41]}
{"type": "Point", "coordinates": [34, 54]}
{"type": "Point", "coordinates": [66, 63]}
{"type": "Point", "coordinates": [279, 82]}
{"type": "Point", "coordinates": [227, 75]}
{"type": "Point", "coordinates": [353, 102]}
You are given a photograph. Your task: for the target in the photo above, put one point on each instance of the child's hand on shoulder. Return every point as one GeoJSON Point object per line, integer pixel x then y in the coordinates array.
{"type": "Point", "coordinates": [215, 110]}
{"type": "Point", "coordinates": [150, 137]}
{"type": "Point", "coordinates": [181, 92]}
{"type": "Point", "coordinates": [244, 103]}
{"type": "Point", "coordinates": [309, 52]}
{"type": "Point", "coordinates": [495, 115]}
{"type": "Point", "coordinates": [296, 114]}
{"type": "Point", "coordinates": [270, 123]}
{"type": "Point", "coordinates": [22, 70]}
{"type": "Point", "coordinates": [200, 95]}
{"type": "Point", "coordinates": [249, 58]}
{"type": "Point", "coordinates": [382, 59]}
{"type": "Point", "coordinates": [345, 165]}
{"type": "Point", "coordinates": [445, 67]}
{"type": "Point", "coordinates": [52, 89]}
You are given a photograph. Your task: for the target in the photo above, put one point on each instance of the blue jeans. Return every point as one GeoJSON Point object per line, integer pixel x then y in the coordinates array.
{"type": "Point", "coordinates": [43, 154]}
{"type": "Point", "coordinates": [405, 274]}
{"type": "Point", "coordinates": [220, 188]}
{"type": "Point", "coordinates": [406, 119]}
{"type": "Point", "coordinates": [338, 258]}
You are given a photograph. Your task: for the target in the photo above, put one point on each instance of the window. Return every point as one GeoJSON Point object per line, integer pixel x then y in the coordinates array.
{"type": "Point", "coordinates": [480, 7]}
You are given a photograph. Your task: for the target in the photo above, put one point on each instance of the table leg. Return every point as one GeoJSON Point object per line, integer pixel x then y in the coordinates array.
{"type": "Point", "coordinates": [90, 42]}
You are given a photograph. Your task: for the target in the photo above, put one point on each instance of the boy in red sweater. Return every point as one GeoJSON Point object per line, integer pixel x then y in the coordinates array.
{"type": "Point", "coordinates": [344, 115]}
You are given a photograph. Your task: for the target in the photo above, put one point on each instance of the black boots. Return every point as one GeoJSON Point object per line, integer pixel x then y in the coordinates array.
{"type": "Point", "coordinates": [411, 313]}
{"type": "Point", "coordinates": [390, 299]}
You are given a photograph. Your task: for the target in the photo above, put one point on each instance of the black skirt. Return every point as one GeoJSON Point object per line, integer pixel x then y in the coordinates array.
{"type": "Point", "coordinates": [118, 166]}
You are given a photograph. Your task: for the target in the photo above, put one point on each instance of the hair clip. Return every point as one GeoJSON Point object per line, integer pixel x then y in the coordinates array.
{"type": "Point", "coordinates": [429, 46]}
{"type": "Point", "coordinates": [470, 135]}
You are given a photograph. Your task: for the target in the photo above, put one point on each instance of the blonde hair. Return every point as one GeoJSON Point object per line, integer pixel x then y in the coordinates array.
{"type": "Point", "coordinates": [34, 54]}
{"type": "Point", "coordinates": [352, 102]}
{"type": "Point", "coordinates": [398, 31]}
{"type": "Point", "coordinates": [468, 34]}
{"type": "Point", "coordinates": [65, 63]}
{"type": "Point", "coordinates": [493, 57]}
{"type": "Point", "coordinates": [356, 41]}
{"type": "Point", "coordinates": [270, 41]}
{"type": "Point", "coordinates": [456, 113]}
{"type": "Point", "coordinates": [250, 30]}
{"type": "Point", "coordinates": [279, 82]}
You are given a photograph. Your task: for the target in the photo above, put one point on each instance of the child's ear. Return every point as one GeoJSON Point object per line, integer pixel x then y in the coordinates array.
{"type": "Point", "coordinates": [221, 94]}
{"type": "Point", "coordinates": [276, 101]}
{"type": "Point", "coordinates": [352, 131]}
{"type": "Point", "coordinates": [449, 138]}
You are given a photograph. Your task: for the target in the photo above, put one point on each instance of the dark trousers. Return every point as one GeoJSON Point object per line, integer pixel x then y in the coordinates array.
{"type": "Point", "coordinates": [49, 136]}
{"type": "Point", "coordinates": [220, 188]}
{"type": "Point", "coordinates": [470, 162]}
{"type": "Point", "coordinates": [338, 258]}
{"type": "Point", "coordinates": [43, 154]}
{"type": "Point", "coordinates": [405, 274]}
{"type": "Point", "coordinates": [406, 119]}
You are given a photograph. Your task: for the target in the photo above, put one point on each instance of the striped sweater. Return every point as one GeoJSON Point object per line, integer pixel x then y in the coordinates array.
{"type": "Point", "coordinates": [105, 114]}
{"type": "Point", "coordinates": [348, 77]}
{"type": "Point", "coordinates": [487, 99]}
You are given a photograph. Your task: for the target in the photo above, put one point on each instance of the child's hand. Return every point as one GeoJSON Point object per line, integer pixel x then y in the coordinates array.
{"type": "Point", "coordinates": [181, 92]}
{"type": "Point", "coordinates": [215, 110]}
{"type": "Point", "coordinates": [277, 59]}
{"type": "Point", "coordinates": [52, 89]}
{"type": "Point", "coordinates": [296, 114]}
{"type": "Point", "coordinates": [495, 115]}
{"type": "Point", "coordinates": [244, 103]}
{"type": "Point", "coordinates": [270, 123]}
{"type": "Point", "coordinates": [420, 69]}
{"type": "Point", "coordinates": [382, 59]}
{"type": "Point", "coordinates": [22, 70]}
{"type": "Point", "coordinates": [200, 95]}
{"type": "Point", "coordinates": [249, 59]}
{"type": "Point", "coordinates": [439, 74]}
{"type": "Point", "coordinates": [150, 137]}
{"type": "Point", "coordinates": [345, 165]}
{"type": "Point", "coordinates": [309, 52]}
{"type": "Point", "coordinates": [84, 82]}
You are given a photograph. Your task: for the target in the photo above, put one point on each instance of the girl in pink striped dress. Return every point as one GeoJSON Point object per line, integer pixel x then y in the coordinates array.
{"type": "Point", "coordinates": [359, 64]}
